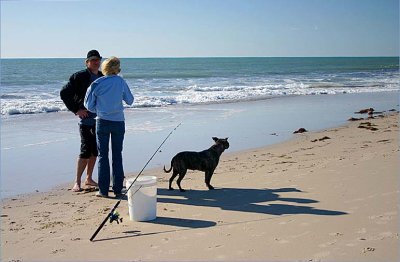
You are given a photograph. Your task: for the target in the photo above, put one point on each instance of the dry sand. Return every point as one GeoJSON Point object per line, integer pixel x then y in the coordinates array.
{"type": "Point", "coordinates": [336, 199]}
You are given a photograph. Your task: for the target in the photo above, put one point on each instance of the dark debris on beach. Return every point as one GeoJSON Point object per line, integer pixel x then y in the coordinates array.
{"type": "Point", "coordinates": [300, 130]}
{"type": "Point", "coordinates": [321, 139]}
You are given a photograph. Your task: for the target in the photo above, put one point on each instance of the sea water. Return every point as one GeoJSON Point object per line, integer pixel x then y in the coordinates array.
{"type": "Point", "coordinates": [253, 101]}
{"type": "Point", "coordinates": [30, 86]}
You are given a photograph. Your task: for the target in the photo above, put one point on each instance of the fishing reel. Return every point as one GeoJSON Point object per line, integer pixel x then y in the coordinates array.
{"type": "Point", "coordinates": [115, 217]}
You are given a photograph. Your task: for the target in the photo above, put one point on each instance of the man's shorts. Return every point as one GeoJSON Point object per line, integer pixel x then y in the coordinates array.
{"type": "Point", "coordinates": [88, 141]}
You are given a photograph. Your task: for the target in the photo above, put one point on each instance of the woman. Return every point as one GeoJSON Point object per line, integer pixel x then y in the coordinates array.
{"type": "Point", "coordinates": [104, 97]}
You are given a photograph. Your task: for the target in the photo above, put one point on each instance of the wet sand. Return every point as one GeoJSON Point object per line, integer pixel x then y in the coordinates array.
{"type": "Point", "coordinates": [47, 145]}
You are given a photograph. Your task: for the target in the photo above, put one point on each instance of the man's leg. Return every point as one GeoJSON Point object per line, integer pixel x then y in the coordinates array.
{"type": "Point", "coordinates": [92, 147]}
{"type": "Point", "coordinates": [81, 165]}
{"type": "Point", "coordinates": [82, 159]}
{"type": "Point", "coordinates": [90, 167]}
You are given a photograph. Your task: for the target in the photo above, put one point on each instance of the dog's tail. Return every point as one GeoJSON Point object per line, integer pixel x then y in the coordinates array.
{"type": "Point", "coordinates": [167, 171]}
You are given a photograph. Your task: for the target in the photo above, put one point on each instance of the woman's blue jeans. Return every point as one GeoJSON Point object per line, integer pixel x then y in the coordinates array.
{"type": "Point", "coordinates": [104, 130]}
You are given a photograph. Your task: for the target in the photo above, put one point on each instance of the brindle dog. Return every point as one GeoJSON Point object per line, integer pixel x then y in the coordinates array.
{"type": "Point", "coordinates": [206, 161]}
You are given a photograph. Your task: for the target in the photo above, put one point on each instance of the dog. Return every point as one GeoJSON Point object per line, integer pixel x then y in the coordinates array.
{"type": "Point", "coordinates": [205, 161]}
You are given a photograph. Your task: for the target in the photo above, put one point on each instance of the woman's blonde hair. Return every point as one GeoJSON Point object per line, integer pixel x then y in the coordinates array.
{"type": "Point", "coordinates": [111, 66]}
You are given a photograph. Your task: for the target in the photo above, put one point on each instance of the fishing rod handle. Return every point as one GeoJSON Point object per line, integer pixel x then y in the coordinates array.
{"type": "Point", "coordinates": [100, 227]}
{"type": "Point", "coordinates": [104, 221]}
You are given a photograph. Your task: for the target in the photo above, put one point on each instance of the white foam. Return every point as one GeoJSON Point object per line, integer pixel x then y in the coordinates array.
{"type": "Point", "coordinates": [164, 92]}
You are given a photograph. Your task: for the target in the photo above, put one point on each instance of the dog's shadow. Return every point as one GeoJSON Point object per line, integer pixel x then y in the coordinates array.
{"type": "Point", "coordinates": [250, 200]}
{"type": "Point", "coordinates": [259, 201]}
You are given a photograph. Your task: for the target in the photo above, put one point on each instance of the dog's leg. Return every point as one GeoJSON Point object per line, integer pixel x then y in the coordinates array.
{"type": "Point", "coordinates": [208, 179]}
{"type": "Point", "coordinates": [174, 174]}
{"type": "Point", "coordinates": [181, 176]}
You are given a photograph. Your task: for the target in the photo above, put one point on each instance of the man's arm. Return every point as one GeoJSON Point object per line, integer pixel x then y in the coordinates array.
{"type": "Point", "coordinates": [69, 95]}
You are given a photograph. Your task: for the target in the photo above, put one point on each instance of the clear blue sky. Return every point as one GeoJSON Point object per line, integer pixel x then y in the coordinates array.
{"type": "Point", "coordinates": [193, 28]}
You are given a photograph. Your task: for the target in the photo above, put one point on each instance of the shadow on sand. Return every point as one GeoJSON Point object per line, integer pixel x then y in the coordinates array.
{"type": "Point", "coordinates": [233, 199]}
{"type": "Point", "coordinates": [245, 200]}
{"type": "Point", "coordinates": [182, 224]}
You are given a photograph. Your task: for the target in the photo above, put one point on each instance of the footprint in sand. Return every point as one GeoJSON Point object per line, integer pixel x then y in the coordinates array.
{"type": "Point", "coordinates": [388, 234]}
{"type": "Point", "coordinates": [216, 246]}
{"type": "Point", "coordinates": [368, 249]}
{"type": "Point", "coordinates": [166, 239]}
{"type": "Point", "coordinates": [58, 251]}
{"type": "Point", "coordinates": [51, 225]}
{"type": "Point", "coordinates": [381, 219]}
{"type": "Point", "coordinates": [336, 234]}
{"type": "Point", "coordinates": [76, 239]}
{"type": "Point", "coordinates": [38, 240]}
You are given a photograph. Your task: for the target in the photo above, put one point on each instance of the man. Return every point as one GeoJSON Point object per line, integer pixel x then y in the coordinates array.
{"type": "Point", "coordinates": [73, 95]}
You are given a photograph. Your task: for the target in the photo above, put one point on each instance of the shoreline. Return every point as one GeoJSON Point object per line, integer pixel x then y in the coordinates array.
{"type": "Point", "coordinates": [68, 185]}
{"type": "Point", "coordinates": [200, 104]}
{"type": "Point", "coordinates": [247, 124]}
{"type": "Point", "coordinates": [296, 200]}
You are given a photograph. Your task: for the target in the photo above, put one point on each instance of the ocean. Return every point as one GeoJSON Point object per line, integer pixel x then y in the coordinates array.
{"type": "Point", "coordinates": [31, 86]}
{"type": "Point", "coordinates": [254, 101]}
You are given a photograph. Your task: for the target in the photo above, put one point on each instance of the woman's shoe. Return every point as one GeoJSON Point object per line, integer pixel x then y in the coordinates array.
{"type": "Point", "coordinates": [98, 194]}
{"type": "Point", "coordinates": [119, 195]}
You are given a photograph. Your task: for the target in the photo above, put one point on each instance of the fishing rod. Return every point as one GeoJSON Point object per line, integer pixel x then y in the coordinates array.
{"type": "Point", "coordinates": [114, 216]}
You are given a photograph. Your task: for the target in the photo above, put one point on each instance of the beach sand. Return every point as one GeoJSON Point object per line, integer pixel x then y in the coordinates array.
{"type": "Point", "coordinates": [308, 199]}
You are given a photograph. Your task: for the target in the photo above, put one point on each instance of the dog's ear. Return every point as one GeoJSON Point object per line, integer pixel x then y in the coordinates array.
{"type": "Point", "coordinates": [215, 139]}
{"type": "Point", "coordinates": [226, 138]}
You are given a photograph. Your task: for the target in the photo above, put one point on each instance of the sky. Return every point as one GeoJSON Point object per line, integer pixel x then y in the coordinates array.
{"type": "Point", "coordinates": [199, 28]}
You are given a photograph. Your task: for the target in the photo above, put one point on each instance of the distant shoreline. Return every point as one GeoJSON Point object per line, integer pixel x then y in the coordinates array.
{"type": "Point", "coordinates": [195, 57]}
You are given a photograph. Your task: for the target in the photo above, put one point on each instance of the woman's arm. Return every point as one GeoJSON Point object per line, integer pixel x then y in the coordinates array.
{"type": "Point", "coordinates": [90, 98]}
{"type": "Point", "coordinates": [127, 95]}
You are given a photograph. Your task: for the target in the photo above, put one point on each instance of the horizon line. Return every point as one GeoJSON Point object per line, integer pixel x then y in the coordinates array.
{"type": "Point", "coordinates": [183, 57]}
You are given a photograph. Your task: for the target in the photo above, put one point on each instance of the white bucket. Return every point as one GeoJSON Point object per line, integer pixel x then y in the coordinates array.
{"type": "Point", "coordinates": [142, 198]}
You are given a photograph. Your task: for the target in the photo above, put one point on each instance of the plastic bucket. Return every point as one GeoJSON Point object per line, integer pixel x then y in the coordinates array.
{"type": "Point", "coordinates": [142, 198]}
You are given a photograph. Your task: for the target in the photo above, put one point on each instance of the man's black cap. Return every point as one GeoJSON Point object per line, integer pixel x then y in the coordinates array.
{"type": "Point", "coordinates": [93, 54]}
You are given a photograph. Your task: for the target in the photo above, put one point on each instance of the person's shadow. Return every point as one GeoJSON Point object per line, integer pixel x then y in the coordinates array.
{"type": "Point", "coordinates": [246, 200]}
{"type": "Point", "coordinates": [234, 199]}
